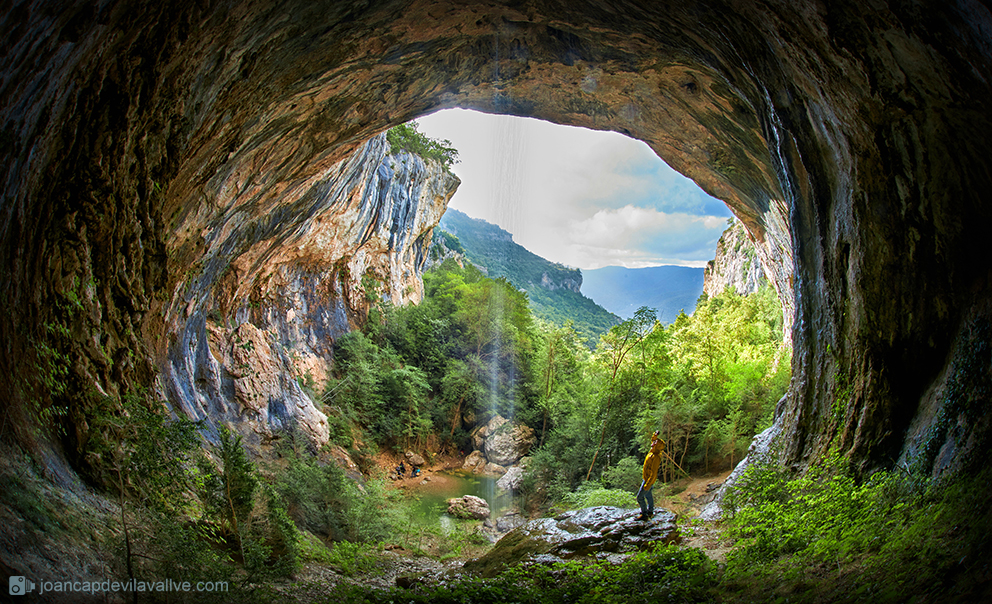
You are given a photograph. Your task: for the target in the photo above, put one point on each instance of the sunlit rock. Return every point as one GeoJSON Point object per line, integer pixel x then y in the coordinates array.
{"type": "Point", "coordinates": [587, 533]}
{"type": "Point", "coordinates": [735, 264]}
{"type": "Point", "coordinates": [366, 226]}
{"type": "Point", "coordinates": [494, 469]}
{"type": "Point", "coordinates": [415, 459]}
{"type": "Point", "coordinates": [514, 475]}
{"type": "Point", "coordinates": [475, 461]}
{"type": "Point", "coordinates": [511, 479]}
{"type": "Point", "coordinates": [506, 441]}
{"type": "Point", "coordinates": [469, 506]}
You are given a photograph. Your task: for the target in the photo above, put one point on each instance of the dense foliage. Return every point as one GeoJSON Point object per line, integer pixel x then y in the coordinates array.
{"type": "Point", "coordinates": [422, 376]}
{"type": "Point", "coordinates": [662, 574]}
{"type": "Point", "coordinates": [411, 378]}
{"type": "Point", "coordinates": [708, 382]}
{"type": "Point", "coordinates": [827, 537]}
{"type": "Point", "coordinates": [406, 137]}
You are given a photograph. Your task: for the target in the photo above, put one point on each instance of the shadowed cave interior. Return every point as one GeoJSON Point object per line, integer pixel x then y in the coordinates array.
{"type": "Point", "coordinates": [163, 163]}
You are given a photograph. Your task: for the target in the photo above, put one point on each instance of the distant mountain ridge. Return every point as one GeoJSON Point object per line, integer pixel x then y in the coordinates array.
{"type": "Point", "coordinates": [668, 289]}
{"type": "Point", "coordinates": [554, 289]}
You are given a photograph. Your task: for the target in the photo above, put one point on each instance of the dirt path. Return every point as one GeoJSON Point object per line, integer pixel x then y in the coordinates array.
{"type": "Point", "coordinates": [690, 495]}
{"type": "Point", "coordinates": [431, 476]}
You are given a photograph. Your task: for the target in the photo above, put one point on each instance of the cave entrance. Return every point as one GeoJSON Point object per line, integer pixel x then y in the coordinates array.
{"type": "Point", "coordinates": [152, 150]}
{"type": "Point", "coordinates": [583, 198]}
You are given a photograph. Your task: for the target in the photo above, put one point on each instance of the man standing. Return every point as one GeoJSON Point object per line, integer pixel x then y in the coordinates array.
{"type": "Point", "coordinates": [650, 473]}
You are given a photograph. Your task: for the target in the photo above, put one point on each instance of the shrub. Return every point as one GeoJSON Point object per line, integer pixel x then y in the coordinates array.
{"type": "Point", "coordinates": [663, 574]}
{"type": "Point", "coordinates": [592, 493]}
{"type": "Point", "coordinates": [626, 475]}
{"type": "Point", "coordinates": [321, 499]}
{"type": "Point", "coordinates": [406, 137]}
{"type": "Point", "coordinates": [901, 533]}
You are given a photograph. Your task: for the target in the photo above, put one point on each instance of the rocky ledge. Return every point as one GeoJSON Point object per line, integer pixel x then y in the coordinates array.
{"type": "Point", "coordinates": [596, 533]}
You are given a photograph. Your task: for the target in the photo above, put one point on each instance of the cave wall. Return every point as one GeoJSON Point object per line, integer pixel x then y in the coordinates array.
{"type": "Point", "coordinates": [250, 329]}
{"type": "Point", "coordinates": [851, 139]}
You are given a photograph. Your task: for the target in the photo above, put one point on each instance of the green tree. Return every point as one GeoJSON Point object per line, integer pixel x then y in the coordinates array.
{"type": "Point", "coordinates": [148, 456]}
{"type": "Point", "coordinates": [613, 349]}
{"type": "Point", "coordinates": [406, 387]}
{"type": "Point", "coordinates": [229, 491]}
{"type": "Point", "coordinates": [407, 137]}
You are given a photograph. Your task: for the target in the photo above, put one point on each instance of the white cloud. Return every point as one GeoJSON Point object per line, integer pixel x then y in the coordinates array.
{"type": "Point", "coordinates": [633, 237]}
{"type": "Point", "coordinates": [581, 197]}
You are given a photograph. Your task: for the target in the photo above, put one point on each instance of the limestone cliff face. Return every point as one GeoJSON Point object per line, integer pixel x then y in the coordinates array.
{"type": "Point", "coordinates": [572, 281]}
{"type": "Point", "coordinates": [736, 264]}
{"type": "Point", "coordinates": [245, 334]}
{"type": "Point", "coordinates": [157, 156]}
{"type": "Point", "coordinates": [445, 246]}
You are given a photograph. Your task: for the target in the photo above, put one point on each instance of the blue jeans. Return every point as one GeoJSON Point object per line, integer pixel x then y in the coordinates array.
{"type": "Point", "coordinates": [645, 499]}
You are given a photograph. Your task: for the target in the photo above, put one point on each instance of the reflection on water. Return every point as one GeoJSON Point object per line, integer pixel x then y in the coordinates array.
{"type": "Point", "coordinates": [432, 498]}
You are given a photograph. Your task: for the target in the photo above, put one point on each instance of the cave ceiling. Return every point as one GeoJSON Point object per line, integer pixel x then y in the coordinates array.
{"type": "Point", "coordinates": [852, 140]}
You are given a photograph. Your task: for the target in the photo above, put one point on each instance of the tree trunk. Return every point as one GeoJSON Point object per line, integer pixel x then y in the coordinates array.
{"type": "Point", "coordinates": [602, 435]}
{"type": "Point", "coordinates": [457, 418]}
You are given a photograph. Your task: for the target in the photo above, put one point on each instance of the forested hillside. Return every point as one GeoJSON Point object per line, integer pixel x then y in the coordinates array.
{"type": "Point", "coordinates": [472, 348]}
{"type": "Point", "coordinates": [553, 289]}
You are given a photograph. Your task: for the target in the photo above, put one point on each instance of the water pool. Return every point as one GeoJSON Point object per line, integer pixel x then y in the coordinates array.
{"type": "Point", "coordinates": [430, 501]}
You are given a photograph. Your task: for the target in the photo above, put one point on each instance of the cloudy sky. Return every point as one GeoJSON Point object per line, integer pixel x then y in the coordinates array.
{"type": "Point", "coordinates": [584, 198]}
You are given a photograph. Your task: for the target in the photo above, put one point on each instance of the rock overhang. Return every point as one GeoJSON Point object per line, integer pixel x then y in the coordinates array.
{"type": "Point", "coordinates": [134, 135]}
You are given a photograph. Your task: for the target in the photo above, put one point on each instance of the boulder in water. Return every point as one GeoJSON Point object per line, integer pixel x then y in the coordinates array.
{"type": "Point", "coordinates": [469, 506]}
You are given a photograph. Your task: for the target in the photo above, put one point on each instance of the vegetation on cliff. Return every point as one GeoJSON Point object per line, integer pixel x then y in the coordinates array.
{"type": "Point", "coordinates": [552, 288]}
{"type": "Point", "coordinates": [406, 137]}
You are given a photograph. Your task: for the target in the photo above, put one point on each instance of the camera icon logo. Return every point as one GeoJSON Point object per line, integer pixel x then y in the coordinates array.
{"type": "Point", "coordinates": [21, 585]}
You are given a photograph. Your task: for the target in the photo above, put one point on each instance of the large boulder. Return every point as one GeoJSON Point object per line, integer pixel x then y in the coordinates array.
{"type": "Point", "coordinates": [478, 436]}
{"type": "Point", "coordinates": [587, 533]}
{"type": "Point", "coordinates": [476, 462]}
{"type": "Point", "coordinates": [415, 459]}
{"type": "Point", "coordinates": [469, 506]}
{"type": "Point", "coordinates": [511, 479]}
{"type": "Point", "coordinates": [493, 469]}
{"type": "Point", "coordinates": [506, 441]}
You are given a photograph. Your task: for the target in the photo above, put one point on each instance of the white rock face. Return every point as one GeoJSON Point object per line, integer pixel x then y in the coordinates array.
{"type": "Point", "coordinates": [475, 462]}
{"type": "Point", "coordinates": [506, 442]}
{"type": "Point", "coordinates": [511, 480]}
{"type": "Point", "coordinates": [294, 287]}
{"type": "Point", "coordinates": [760, 447]}
{"type": "Point", "coordinates": [736, 264]}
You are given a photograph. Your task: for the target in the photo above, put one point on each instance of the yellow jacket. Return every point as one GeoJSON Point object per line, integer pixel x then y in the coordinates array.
{"type": "Point", "coordinates": [651, 464]}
